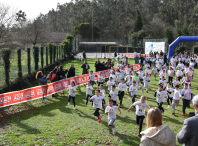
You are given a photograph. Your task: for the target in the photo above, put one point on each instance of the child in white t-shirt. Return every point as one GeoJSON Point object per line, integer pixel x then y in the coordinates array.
{"type": "Point", "coordinates": [97, 104]}
{"type": "Point", "coordinates": [72, 90]}
{"type": "Point", "coordinates": [103, 93]}
{"type": "Point", "coordinates": [169, 90]}
{"type": "Point", "coordinates": [176, 98]}
{"type": "Point", "coordinates": [113, 95]}
{"type": "Point", "coordinates": [92, 78]}
{"type": "Point", "coordinates": [146, 82]}
{"type": "Point", "coordinates": [89, 91]}
{"type": "Point", "coordinates": [121, 87]}
{"type": "Point", "coordinates": [80, 58]}
{"type": "Point", "coordinates": [110, 83]}
{"type": "Point", "coordinates": [154, 71]}
{"type": "Point", "coordinates": [111, 111]}
{"type": "Point", "coordinates": [175, 82]}
{"type": "Point", "coordinates": [100, 79]}
{"type": "Point", "coordinates": [140, 111]}
{"type": "Point", "coordinates": [148, 71]}
{"type": "Point", "coordinates": [163, 82]}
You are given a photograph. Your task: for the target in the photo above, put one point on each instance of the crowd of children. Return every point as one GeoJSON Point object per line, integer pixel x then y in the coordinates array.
{"type": "Point", "coordinates": [126, 80]}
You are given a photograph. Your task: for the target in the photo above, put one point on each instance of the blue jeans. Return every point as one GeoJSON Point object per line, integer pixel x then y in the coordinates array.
{"type": "Point", "coordinates": [186, 103]}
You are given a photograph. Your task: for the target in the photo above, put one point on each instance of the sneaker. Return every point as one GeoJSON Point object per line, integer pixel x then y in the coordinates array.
{"type": "Point", "coordinates": [183, 114]}
{"type": "Point", "coordinates": [74, 108]}
{"type": "Point", "coordinates": [146, 91]}
{"type": "Point", "coordinates": [114, 130]}
{"type": "Point", "coordinates": [139, 135]}
{"type": "Point", "coordinates": [119, 106]}
{"type": "Point", "coordinates": [68, 103]}
{"type": "Point", "coordinates": [173, 113]}
{"type": "Point", "coordinates": [99, 119]}
{"type": "Point", "coordinates": [168, 106]}
{"type": "Point", "coordinates": [53, 96]}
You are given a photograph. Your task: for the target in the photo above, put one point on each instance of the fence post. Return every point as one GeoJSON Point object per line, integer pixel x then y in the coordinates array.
{"type": "Point", "coordinates": [19, 64]}
{"type": "Point", "coordinates": [6, 53]}
{"type": "Point", "coordinates": [42, 57]}
{"type": "Point", "coordinates": [50, 51]}
{"type": "Point", "coordinates": [28, 60]}
{"type": "Point", "coordinates": [56, 53]}
{"type": "Point", "coordinates": [46, 56]}
{"type": "Point", "coordinates": [36, 57]}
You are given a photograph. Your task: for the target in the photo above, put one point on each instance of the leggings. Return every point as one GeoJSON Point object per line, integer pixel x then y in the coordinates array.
{"type": "Point", "coordinates": [169, 99]}
{"type": "Point", "coordinates": [160, 106]}
{"type": "Point", "coordinates": [111, 121]}
{"type": "Point", "coordinates": [121, 95]}
{"type": "Point", "coordinates": [133, 98]}
{"type": "Point", "coordinates": [170, 79]}
{"type": "Point", "coordinates": [96, 112]}
{"type": "Point", "coordinates": [87, 97]}
{"type": "Point", "coordinates": [73, 98]}
{"type": "Point", "coordinates": [139, 120]}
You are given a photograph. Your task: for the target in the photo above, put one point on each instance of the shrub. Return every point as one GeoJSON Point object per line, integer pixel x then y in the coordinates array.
{"type": "Point", "coordinates": [36, 57]}
{"type": "Point", "coordinates": [6, 53]}
{"type": "Point", "coordinates": [28, 60]}
{"type": "Point", "coordinates": [42, 57]}
{"type": "Point", "coordinates": [19, 64]}
{"type": "Point", "coordinates": [46, 56]}
{"type": "Point", "coordinates": [181, 49]}
{"type": "Point", "coordinates": [195, 49]}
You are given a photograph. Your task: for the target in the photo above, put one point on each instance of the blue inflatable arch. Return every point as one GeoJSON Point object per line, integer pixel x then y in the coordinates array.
{"type": "Point", "coordinates": [178, 40]}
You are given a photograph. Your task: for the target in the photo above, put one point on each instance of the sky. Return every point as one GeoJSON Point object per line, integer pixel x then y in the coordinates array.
{"type": "Point", "coordinates": [33, 8]}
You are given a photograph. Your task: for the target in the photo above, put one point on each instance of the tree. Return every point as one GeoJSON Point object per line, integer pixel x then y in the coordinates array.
{"type": "Point", "coordinates": [184, 31]}
{"type": "Point", "coordinates": [168, 34]}
{"type": "Point", "coordinates": [138, 22]}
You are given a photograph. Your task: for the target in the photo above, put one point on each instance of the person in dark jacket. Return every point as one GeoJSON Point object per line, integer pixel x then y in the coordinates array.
{"type": "Point", "coordinates": [61, 73]}
{"type": "Point", "coordinates": [85, 68]}
{"type": "Point", "coordinates": [115, 54]}
{"type": "Point", "coordinates": [54, 78]}
{"type": "Point", "coordinates": [71, 71]}
{"type": "Point", "coordinates": [42, 81]}
{"type": "Point", "coordinates": [84, 55]}
{"type": "Point", "coordinates": [165, 58]}
{"type": "Point", "coordinates": [98, 66]}
{"type": "Point", "coordinates": [72, 55]}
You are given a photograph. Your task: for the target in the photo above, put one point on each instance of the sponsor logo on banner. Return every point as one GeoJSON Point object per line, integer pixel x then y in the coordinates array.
{"type": "Point", "coordinates": [84, 79]}
{"type": "Point", "coordinates": [78, 80]}
{"type": "Point", "coordinates": [57, 86]}
{"type": "Point", "coordinates": [50, 88]}
{"type": "Point", "coordinates": [5, 99]}
{"type": "Point", "coordinates": [29, 94]}
{"type": "Point", "coordinates": [65, 84]}
{"type": "Point", "coordinates": [107, 73]}
{"type": "Point", "coordinates": [41, 91]}
{"type": "Point", "coordinates": [18, 96]}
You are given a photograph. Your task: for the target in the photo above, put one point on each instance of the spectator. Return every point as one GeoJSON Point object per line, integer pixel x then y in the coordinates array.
{"type": "Point", "coordinates": [84, 55]}
{"type": "Point", "coordinates": [54, 78]}
{"type": "Point", "coordinates": [115, 54]}
{"type": "Point", "coordinates": [42, 81]}
{"type": "Point", "coordinates": [157, 134]}
{"type": "Point", "coordinates": [126, 61]}
{"type": "Point", "coordinates": [161, 53]}
{"type": "Point", "coordinates": [98, 65]}
{"type": "Point", "coordinates": [72, 55]}
{"type": "Point", "coordinates": [165, 58]}
{"type": "Point", "coordinates": [61, 73]}
{"type": "Point", "coordinates": [151, 53]}
{"type": "Point", "coordinates": [85, 68]}
{"type": "Point", "coordinates": [71, 71]}
{"type": "Point", "coordinates": [142, 61]}
{"type": "Point", "coordinates": [189, 133]}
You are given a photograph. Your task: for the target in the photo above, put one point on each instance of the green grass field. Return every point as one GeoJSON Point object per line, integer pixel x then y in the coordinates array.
{"type": "Point", "coordinates": [55, 123]}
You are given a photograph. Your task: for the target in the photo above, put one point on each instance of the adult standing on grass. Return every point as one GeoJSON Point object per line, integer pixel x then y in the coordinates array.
{"type": "Point", "coordinates": [61, 72]}
{"type": "Point", "coordinates": [72, 55]}
{"type": "Point", "coordinates": [71, 71]}
{"type": "Point", "coordinates": [98, 65]}
{"type": "Point", "coordinates": [157, 134]}
{"type": "Point", "coordinates": [84, 55]}
{"type": "Point", "coordinates": [188, 136]}
{"type": "Point", "coordinates": [142, 61]}
{"type": "Point", "coordinates": [54, 78]}
{"type": "Point", "coordinates": [85, 68]}
{"type": "Point", "coordinates": [42, 80]}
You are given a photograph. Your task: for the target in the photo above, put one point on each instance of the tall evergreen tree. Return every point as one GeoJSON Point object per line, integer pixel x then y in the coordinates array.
{"type": "Point", "coordinates": [138, 22]}
{"type": "Point", "coordinates": [168, 34]}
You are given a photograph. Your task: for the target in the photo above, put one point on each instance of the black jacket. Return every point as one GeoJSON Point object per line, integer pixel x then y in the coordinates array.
{"type": "Point", "coordinates": [62, 73]}
{"type": "Point", "coordinates": [43, 80]}
{"type": "Point", "coordinates": [98, 66]}
{"type": "Point", "coordinates": [71, 72]}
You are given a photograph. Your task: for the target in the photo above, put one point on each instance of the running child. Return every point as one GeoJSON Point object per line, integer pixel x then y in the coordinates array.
{"type": "Point", "coordinates": [169, 90]}
{"type": "Point", "coordinates": [141, 74]}
{"type": "Point", "coordinates": [118, 75]}
{"type": "Point", "coordinates": [100, 79]}
{"type": "Point", "coordinates": [127, 78]}
{"type": "Point", "coordinates": [129, 83]}
{"type": "Point", "coordinates": [140, 111]}
{"type": "Point", "coordinates": [103, 93]}
{"type": "Point", "coordinates": [187, 96]}
{"type": "Point", "coordinates": [128, 69]}
{"type": "Point", "coordinates": [136, 78]}
{"type": "Point", "coordinates": [146, 82]}
{"type": "Point", "coordinates": [163, 82]}
{"type": "Point", "coordinates": [121, 87]}
{"type": "Point", "coordinates": [175, 82]}
{"type": "Point", "coordinates": [113, 95]}
{"type": "Point", "coordinates": [133, 90]}
{"type": "Point", "coordinates": [179, 73]}
{"type": "Point", "coordinates": [97, 104]}
{"type": "Point", "coordinates": [89, 91]}
{"type": "Point", "coordinates": [72, 90]}
{"type": "Point", "coordinates": [113, 75]}
{"type": "Point", "coordinates": [110, 83]}
{"type": "Point", "coordinates": [171, 73]}
{"type": "Point", "coordinates": [111, 111]}
{"type": "Point", "coordinates": [154, 71]}
{"type": "Point", "coordinates": [176, 98]}
{"type": "Point", "coordinates": [92, 78]}
{"type": "Point", "coordinates": [160, 95]}
{"type": "Point", "coordinates": [148, 71]}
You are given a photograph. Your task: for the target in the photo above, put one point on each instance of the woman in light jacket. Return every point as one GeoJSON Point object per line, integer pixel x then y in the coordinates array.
{"type": "Point", "coordinates": [157, 134]}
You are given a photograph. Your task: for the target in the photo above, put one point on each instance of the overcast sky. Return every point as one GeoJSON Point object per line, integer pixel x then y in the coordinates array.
{"type": "Point", "coordinates": [33, 8]}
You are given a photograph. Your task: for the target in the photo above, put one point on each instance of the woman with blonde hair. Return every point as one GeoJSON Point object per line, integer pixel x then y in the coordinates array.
{"type": "Point", "coordinates": [157, 134]}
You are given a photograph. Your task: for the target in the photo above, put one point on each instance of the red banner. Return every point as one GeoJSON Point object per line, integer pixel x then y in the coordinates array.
{"type": "Point", "coordinates": [132, 55]}
{"type": "Point", "coordinates": [33, 93]}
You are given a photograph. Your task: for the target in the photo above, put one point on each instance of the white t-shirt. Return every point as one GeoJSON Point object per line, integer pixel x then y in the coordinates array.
{"type": "Point", "coordinates": [140, 108]}
{"type": "Point", "coordinates": [155, 70]}
{"type": "Point", "coordinates": [134, 89]}
{"type": "Point", "coordinates": [148, 71]}
{"type": "Point", "coordinates": [112, 113]}
{"type": "Point", "coordinates": [127, 70]}
{"type": "Point", "coordinates": [163, 83]}
{"type": "Point", "coordinates": [190, 73]}
{"type": "Point", "coordinates": [100, 78]}
{"type": "Point", "coordinates": [177, 94]}
{"type": "Point", "coordinates": [179, 73]}
{"type": "Point", "coordinates": [186, 92]}
{"type": "Point", "coordinates": [110, 84]}
{"type": "Point", "coordinates": [170, 92]}
{"type": "Point", "coordinates": [113, 77]}
{"type": "Point", "coordinates": [175, 83]}
{"type": "Point", "coordinates": [128, 77]}
{"type": "Point", "coordinates": [102, 92]}
{"type": "Point", "coordinates": [146, 80]}
{"type": "Point", "coordinates": [171, 73]}
{"type": "Point", "coordinates": [113, 95]}
{"type": "Point", "coordinates": [92, 77]}
{"type": "Point", "coordinates": [141, 74]}
{"type": "Point", "coordinates": [89, 92]}
{"type": "Point", "coordinates": [97, 102]}
{"type": "Point", "coordinates": [160, 96]}
{"type": "Point", "coordinates": [121, 86]}
{"type": "Point", "coordinates": [71, 93]}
